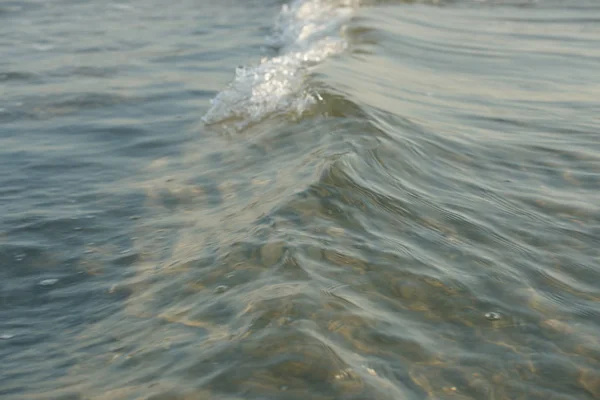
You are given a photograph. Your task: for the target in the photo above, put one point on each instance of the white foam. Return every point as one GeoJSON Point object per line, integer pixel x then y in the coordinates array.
{"type": "Point", "coordinates": [306, 32]}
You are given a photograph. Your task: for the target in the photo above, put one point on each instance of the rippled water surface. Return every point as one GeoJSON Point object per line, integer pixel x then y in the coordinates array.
{"type": "Point", "coordinates": [318, 199]}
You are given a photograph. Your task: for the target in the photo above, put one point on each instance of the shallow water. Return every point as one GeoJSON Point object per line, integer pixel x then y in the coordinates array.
{"type": "Point", "coordinates": [325, 199]}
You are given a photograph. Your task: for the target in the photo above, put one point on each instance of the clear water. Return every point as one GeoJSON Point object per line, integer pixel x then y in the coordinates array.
{"type": "Point", "coordinates": [319, 199]}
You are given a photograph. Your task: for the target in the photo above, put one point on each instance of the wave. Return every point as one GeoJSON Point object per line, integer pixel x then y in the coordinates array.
{"type": "Point", "coordinates": [306, 32]}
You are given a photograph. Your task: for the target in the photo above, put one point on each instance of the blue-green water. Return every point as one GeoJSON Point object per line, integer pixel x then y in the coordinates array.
{"type": "Point", "coordinates": [321, 199]}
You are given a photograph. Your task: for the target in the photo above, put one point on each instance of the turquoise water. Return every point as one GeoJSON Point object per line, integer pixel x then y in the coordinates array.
{"type": "Point", "coordinates": [319, 199]}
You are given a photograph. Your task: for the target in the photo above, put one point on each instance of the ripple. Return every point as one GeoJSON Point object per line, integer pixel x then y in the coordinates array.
{"type": "Point", "coordinates": [15, 76]}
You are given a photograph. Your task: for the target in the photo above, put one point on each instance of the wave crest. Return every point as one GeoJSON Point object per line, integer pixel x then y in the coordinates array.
{"type": "Point", "coordinates": [306, 32]}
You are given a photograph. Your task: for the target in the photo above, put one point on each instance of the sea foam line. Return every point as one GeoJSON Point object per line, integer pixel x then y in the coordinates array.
{"type": "Point", "coordinates": [306, 32]}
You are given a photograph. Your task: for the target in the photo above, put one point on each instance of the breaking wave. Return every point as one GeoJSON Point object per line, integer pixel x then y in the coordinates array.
{"type": "Point", "coordinates": [306, 32]}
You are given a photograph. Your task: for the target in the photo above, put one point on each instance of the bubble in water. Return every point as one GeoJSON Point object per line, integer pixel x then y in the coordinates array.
{"type": "Point", "coordinates": [344, 374]}
{"type": "Point", "coordinates": [493, 316]}
{"type": "Point", "coordinates": [221, 289]}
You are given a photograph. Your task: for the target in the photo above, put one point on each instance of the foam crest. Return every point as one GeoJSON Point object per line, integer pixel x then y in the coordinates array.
{"type": "Point", "coordinates": [306, 32]}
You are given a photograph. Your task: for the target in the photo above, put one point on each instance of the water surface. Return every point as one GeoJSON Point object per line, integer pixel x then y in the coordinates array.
{"type": "Point", "coordinates": [324, 199]}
